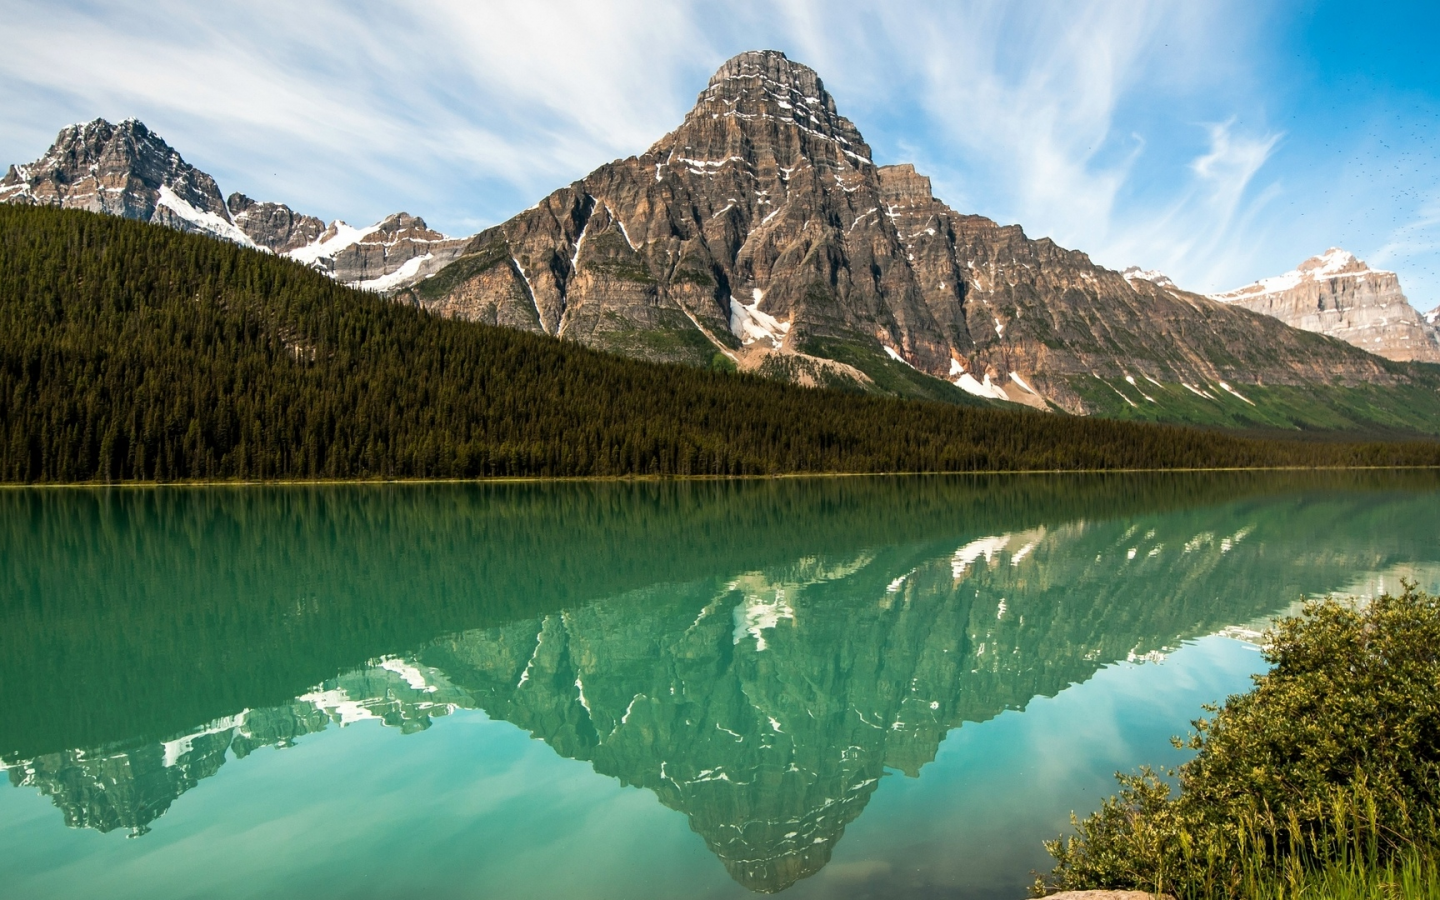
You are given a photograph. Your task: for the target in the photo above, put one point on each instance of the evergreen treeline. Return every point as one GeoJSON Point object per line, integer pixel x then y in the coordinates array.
{"type": "Point", "coordinates": [129, 351]}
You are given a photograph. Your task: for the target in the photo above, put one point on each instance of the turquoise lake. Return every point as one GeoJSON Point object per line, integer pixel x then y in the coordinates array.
{"type": "Point", "coordinates": [841, 687]}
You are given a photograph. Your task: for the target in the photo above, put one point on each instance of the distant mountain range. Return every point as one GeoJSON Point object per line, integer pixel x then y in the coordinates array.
{"type": "Point", "coordinates": [127, 170]}
{"type": "Point", "coordinates": [1339, 295]}
{"type": "Point", "coordinates": [761, 235]}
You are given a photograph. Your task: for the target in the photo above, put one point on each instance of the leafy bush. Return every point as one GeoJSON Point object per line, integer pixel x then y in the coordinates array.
{"type": "Point", "coordinates": [1330, 765]}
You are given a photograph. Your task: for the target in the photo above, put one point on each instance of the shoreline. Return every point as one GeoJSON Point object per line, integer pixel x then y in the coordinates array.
{"type": "Point", "coordinates": [587, 479]}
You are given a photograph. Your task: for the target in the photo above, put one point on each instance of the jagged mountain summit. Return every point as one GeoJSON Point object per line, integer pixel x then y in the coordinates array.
{"type": "Point", "coordinates": [125, 170]}
{"type": "Point", "coordinates": [761, 234]}
{"type": "Point", "coordinates": [1154, 276]}
{"type": "Point", "coordinates": [762, 229]}
{"type": "Point", "coordinates": [1338, 295]}
{"type": "Point", "coordinates": [128, 170]}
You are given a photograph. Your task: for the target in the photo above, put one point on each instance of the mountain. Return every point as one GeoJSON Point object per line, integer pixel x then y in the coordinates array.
{"type": "Point", "coordinates": [761, 235]}
{"type": "Point", "coordinates": [125, 170]}
{"type": "Point", "coordinates": [1153, 276]}
{"type": "Point", "coordinates": [129, 171]}
{"type": "Point", "coordinates": [763, 230]}
{"type": "Point", "coordinates": [129, 352]}
{"type": "Point", "coordinates": [1338, 295]}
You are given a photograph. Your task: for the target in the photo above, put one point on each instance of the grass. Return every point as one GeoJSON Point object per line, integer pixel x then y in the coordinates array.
{"type": "Point", "coordinates": [1349, 857]}
{"type": "Point", "coordinates": [892, 377]}
{"type": "Point", "coordinates": [1411, 877]}
{"type": "Point", "coordinates": [1407, 409]}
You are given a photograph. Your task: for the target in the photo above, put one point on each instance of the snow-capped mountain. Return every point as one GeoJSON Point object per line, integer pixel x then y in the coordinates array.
{"type": "Point", "coordinates": [127, 170]}
{"type": "Point", "coordinates": [1155, 277]}
{"type": "Point", "coordinates": [1339, 295]}
{"type": "Point", "coordinates": [761, 229]}
{"type": "Point", "coordinates": [393, 253]}
{"type": "Point", "coordinates": [124, 170]}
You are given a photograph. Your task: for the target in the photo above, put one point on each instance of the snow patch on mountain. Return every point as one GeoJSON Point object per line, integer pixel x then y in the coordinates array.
{"type": "Point", "coordinates": [967, 383]}
{"type": "Point", "coordinates": [336, 238]}
{"type": "Point", "coordinates": [750, 324]}
{"type": "Point", "coordinates": [208, 222]}
{"type": "Point", "coordinates": [398, 278]}
{"type": "Point", "coordinates": [1333, 263]}
{"type": "Point", "coordinates": [1154, 276]}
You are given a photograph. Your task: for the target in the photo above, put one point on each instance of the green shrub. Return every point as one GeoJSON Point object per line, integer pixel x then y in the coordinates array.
{"type": "Point", "coordinates": [1328, 769]}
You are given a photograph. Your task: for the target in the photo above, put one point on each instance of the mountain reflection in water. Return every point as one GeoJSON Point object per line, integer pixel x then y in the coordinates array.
{"type": "Point", "coordinates": [756, 654]}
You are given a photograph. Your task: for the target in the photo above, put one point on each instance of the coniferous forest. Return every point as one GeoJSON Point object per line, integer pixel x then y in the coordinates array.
{"type": "Point", "coordinates": [135, 352]}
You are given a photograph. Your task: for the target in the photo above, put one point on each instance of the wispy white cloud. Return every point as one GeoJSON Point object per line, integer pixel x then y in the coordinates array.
{"type": "Point", "coordinates": [1227, 168]}
{"type": "Point", "coordinates": [362, 100]}
{"type": "Point", "coordinates": [1204, 235]}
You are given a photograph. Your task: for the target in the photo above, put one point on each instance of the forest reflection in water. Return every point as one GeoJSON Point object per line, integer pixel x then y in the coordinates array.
{"type": "Point", "coordinates": [755, 654]}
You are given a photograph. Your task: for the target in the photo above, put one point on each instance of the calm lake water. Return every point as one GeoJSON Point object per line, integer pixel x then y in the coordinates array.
{"type": "Point", "coordinates": [887, 687]}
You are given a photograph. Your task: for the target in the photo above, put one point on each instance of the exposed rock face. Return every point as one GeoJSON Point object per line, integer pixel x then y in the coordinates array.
{"type": "Point", "coordinates": [761, 228]}
{"type": "Point", "coordinates": [1339, 295]}
{"type": "Point", "coordinates": [127, 170]}
{"type": "Point", "coordinates": [390, 254]}
{"type": "Point", "coordinates": [1151, 275]}
{"type": "Point", "coordinates": [274, 226]}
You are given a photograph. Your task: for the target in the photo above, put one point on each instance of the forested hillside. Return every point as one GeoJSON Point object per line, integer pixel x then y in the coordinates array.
{"type": "Point", "coordinates": [134, 352]}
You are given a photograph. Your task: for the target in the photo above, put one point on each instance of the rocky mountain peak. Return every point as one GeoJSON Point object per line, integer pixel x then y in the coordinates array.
{"type": "Point", "coordinates": [760, 234]}
{"type": "Point", "coordinates": [402, 225]}
{"type": "Point", "coordinates": [902, 186]}
{"type": "Point", "coordinates": [761, 72]}
{"type": "Point", "coordinates": [766, 110]}
{"type": "Point", "coordinates": [1338, 294]}
{"type": "Point", "coordinates": [274, 226]}
{"type": "Point", "coordinates": [1332, 262]}
{"type": "Point", "coordinates": [125, 170]}
{"type": "Point", "coordinates": [128, 170]}
{"type": "Point", "coordinates": [1153, 276]}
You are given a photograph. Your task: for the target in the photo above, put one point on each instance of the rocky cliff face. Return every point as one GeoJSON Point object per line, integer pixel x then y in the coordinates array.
{"type": "Point", "coordinates": [762, 229]}
{"type": "Point", "coordinates": [274, 226]}
{"type": "Point", "coordinates": [127, 170]}
{"type": "Point", "coordinates": [1340, 296]}
{"type": "Point", "coordinates": [390, 254]}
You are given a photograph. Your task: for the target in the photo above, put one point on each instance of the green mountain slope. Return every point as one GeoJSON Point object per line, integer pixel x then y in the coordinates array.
{"type": "Point", "coordinates": [129, 351]}
{"type": "Point", "coordinates": [1362, 409]}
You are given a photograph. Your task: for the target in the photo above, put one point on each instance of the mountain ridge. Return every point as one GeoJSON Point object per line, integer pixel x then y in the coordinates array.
{"type": "Point", "coordinates": [760, 235]}
{"type": "Point", "coordinates": [762, 230]}
{"type": "Point", "coordinates": [1339, 295]}
{"type": "Point", "coordinates": [129, 171]}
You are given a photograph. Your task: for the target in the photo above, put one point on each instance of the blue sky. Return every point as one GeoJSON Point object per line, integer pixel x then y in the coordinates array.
{"type": "Point", "coordinates": [1219, 142]}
